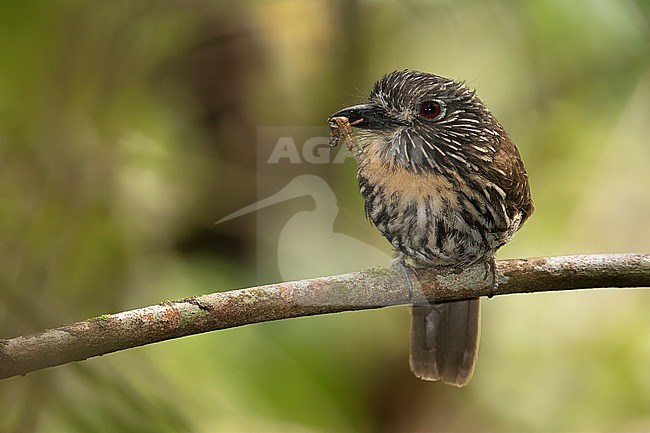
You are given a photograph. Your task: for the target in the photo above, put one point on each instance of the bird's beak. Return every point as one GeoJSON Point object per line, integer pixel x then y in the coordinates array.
{"type": "Point", "coordinates": [367, 116]}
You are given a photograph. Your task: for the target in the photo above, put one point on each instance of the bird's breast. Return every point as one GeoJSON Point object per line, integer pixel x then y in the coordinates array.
{"type": "Point", "coordinates": [434, 219]}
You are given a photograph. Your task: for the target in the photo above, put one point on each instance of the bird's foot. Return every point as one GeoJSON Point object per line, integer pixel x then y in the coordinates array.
{"type": "Point", "coordinates": [491, 271]}
{"type": "Point", "coordinates": [408, 270]}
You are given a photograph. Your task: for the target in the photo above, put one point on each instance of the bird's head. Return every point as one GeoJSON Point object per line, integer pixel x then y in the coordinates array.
{"type": "Point", "coordinates": [425, 123]}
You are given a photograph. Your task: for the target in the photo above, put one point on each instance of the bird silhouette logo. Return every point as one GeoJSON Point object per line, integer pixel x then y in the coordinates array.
{"type": "Point", "coordinates": [308, 243]}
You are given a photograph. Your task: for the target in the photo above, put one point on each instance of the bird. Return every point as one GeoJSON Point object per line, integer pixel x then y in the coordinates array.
{"type": "Point", "coordinates": [444, 183]}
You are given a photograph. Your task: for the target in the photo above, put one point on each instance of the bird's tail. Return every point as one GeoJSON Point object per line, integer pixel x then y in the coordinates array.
{"type": "Point", "coordinates": [444, 341]}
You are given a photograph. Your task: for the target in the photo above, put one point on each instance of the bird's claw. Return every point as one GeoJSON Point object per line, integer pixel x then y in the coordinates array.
{"type": "Point", "coordinates": [491, 271]}
{"type": "Point", "coordinates": [409, 271]}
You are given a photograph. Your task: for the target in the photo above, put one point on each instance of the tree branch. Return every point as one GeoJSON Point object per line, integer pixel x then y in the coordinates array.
{"type": "Point", "coordinates": [372, 288]}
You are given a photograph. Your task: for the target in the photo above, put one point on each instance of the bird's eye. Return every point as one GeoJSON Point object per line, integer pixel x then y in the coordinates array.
{"type": "Point", "coordinates": [432, 110]}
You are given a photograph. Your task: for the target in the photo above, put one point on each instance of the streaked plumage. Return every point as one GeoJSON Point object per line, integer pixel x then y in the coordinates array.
{"type": "Point", "coordinates": [443, 182]}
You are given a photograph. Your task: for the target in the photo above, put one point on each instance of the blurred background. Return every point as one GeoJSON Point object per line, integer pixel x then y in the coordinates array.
{"type": "Point", "coordinates": [128, 128]}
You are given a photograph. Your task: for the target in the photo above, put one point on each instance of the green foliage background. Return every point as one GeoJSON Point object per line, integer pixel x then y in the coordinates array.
{"type": "Point", "coordinates": [127, 128]}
